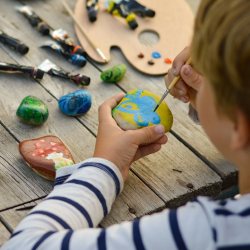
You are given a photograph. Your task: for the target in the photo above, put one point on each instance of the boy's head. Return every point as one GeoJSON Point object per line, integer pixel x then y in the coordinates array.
{"type": "Point", "coordinates": [221, 53]}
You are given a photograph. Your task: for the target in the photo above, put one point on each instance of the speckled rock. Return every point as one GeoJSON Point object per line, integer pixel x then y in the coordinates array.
{"type": "Point", "coordinates": [76, 103]}
{"type": "Point", "coordinates": [32, 110]}
{"type": "Point", "coordinates": [45, 155]}
{"type": "Point", "coordinates": [135, 111]}
{"type": "Point", "coordinates": [114, 74]}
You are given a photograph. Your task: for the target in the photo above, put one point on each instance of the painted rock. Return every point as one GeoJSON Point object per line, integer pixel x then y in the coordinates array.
{"type": "Point", "coordinates": [114, 74]}
{"type": "Point", "coordinates": [76, 103]}
{"type": "Point", "coordinates": [32, 110]}
{"type": "Point", "coordinates": [45, 155]}
{"type": "Point", "coordinates": [135, 111]}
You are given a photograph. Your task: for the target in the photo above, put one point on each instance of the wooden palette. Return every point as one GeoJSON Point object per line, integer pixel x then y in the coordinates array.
{"type": "Point", "coordinates": [173, 23]}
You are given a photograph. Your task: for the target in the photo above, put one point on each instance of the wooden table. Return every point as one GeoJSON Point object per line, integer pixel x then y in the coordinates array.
{"type": "Point", "coordinates": [154, 182]}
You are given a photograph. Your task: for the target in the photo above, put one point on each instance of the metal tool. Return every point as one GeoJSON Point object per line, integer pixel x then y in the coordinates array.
{"type": "Point", "coordinates": [171, 86]}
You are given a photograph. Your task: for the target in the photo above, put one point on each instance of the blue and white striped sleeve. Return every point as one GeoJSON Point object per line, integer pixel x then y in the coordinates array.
{"type": "Point", "coordinates": [82, 197]}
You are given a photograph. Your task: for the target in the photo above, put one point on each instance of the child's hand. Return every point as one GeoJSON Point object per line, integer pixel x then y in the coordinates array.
{"type": "Point", "coordinates": [124, 147]}
{"type": "Point", "coordinates": [189, 83]}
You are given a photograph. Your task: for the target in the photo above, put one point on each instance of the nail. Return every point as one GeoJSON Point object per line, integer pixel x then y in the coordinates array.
{"type": "Point", "coordinates": [160, 129]}
{"type": "Point", "coordinates": [181, 92]}
{"type": "Point", "coordinates": [190, 185]}
{"type": "Point", "coordinates": [184, 99]}
{"type": "Point", "coordinates": [187, 71]}
{"type": "Point", "coordinates": [174, 72]}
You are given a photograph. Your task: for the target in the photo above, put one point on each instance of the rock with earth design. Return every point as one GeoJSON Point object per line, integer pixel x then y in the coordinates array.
{"type": "Point", "coordinates": [45, 155]}
{"type": "Point", "coordinates": [114, 74]}
{"type": "Point", "coordinates": [136, 110]}
{"type": "Point", "coordinates": [76, 103]}
{"type": "Point", "coordinates": [33, 111]}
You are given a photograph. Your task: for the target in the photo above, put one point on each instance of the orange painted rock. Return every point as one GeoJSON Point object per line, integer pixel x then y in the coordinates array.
{"type": "Point", "coordinates": [45, 155]}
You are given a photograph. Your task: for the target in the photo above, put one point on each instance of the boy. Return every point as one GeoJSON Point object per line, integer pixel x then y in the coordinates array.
{"type": "Point", "coordinates": [84, 192]}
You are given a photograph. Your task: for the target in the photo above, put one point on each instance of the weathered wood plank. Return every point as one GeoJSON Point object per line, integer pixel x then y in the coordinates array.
{"type": "Point", "coordinates": [208, 179]}
{"type": "Point", "coordinates": [18, 183]}
{"type": "Point", "coordinates": [14, 216]}
{"type": "Point", "coordinates": [66, 130]}
{"type": "Point", "coordinates": [4, 234]}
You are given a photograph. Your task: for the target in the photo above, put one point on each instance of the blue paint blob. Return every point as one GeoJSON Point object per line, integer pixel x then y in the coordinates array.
{"type": "Point", "coordinates": [156, 54]}
{"type": "Point", "coordinates": [129, 106]}
{"type": "Point", "coordinates": [76, 103]}
{"type": "Point", "coordinates": [145, 108]}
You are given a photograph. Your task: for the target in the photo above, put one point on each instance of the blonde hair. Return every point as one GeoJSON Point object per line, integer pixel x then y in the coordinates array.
{"type": "Point", "coordinates": [221, 52]}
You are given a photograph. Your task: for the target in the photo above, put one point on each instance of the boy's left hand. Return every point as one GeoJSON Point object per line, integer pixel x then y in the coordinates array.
{"type": "Point", "coordinates": [124, 147]}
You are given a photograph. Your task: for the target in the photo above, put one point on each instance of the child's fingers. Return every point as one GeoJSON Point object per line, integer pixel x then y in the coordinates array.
{"type": "Point", "coordinates": [191, 77]}
{"type": "Point", "coordinates": [146, 135]}
{"type": "Point", "coordinates": [162, 140]}
{"type": "Point", "coordinates": [147, 150]}
{"type": "Point", "coordinates": [106, 107]}
{"type": "Point", "coordinates": [180, 60]}
{"type": "Point", "coordinates": [182, 88]}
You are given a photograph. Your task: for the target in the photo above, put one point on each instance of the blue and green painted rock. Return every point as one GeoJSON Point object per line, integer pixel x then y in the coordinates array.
{"type": "Point", "coordinates": [136, 110]}
{"type": "Point", "coordinates": [76, 103]}
{"type": "Point", "coordinates": [114, 74]}
{"type": "Point", "coordinates": [32, 110]}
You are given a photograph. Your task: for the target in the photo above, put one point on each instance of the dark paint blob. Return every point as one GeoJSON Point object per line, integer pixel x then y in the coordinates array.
{"type": "Point", "coordinates": [151, 62]}
{"type": "Point", "coordinates": [140, 55]}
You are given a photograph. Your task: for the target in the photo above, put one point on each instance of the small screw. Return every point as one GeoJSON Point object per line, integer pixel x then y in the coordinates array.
{"type": "Point", "coordinates": [190, 185]}
{"type": "Point", "coordinates": [131, 210]}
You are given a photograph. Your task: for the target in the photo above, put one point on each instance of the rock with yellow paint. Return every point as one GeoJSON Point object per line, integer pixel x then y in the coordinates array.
{"type": "Point", "coordinates": [136, 110]}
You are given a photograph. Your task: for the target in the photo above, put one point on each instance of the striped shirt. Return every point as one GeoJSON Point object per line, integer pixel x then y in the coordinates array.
{"type": "Point", "coordinates": [83, 196]}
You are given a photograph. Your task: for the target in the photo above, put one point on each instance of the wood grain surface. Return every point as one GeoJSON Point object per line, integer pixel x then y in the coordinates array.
{"type": "Point", "coordinates": [4, 234]}
{"type": "Point", "coordinates": [174, 144]}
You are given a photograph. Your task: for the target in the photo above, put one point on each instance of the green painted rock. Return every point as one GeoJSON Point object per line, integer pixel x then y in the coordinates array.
{"type": "Point", "coordinates": [32, 110]}
{"type": "Point", "coordinates": [114, 74]}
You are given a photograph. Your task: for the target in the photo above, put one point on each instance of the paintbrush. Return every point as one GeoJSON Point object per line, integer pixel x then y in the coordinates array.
{"type": "Point", "coordinates": [171, 86]}
{"type": "Point", "coordinates": [83, 31]}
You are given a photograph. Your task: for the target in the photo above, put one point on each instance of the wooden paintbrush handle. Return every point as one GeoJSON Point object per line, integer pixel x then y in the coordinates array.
{"type": "Point", "coordinates": [178, 77]}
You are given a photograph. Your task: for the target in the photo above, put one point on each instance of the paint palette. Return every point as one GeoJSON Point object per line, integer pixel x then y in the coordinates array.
{"type": "Point", "coordinates": [173, 23]}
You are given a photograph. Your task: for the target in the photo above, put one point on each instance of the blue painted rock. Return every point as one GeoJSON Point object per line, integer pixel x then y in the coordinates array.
{"type": "Point", "coordinates": [114, 74]}
{"type": "Point", "coordinates": [76, 103]}
{"type": "Point", "coordinates": [136, 110]}
{"type": "Point", "coordinates": [32, 110]}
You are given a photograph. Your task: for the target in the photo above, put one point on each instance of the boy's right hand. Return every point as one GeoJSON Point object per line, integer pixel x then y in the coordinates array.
{"type": "Point", "coordinates": [188, 85]}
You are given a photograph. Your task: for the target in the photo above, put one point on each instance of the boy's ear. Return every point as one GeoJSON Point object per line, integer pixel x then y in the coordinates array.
{"type": "Point", "coordinates": [241, 131]}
